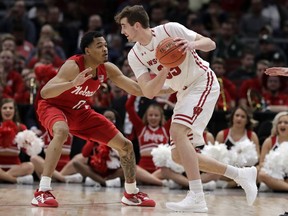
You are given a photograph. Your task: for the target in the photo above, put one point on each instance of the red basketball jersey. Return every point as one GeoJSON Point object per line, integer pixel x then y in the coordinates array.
{"type": "Point", "coordinates": [78, 97]}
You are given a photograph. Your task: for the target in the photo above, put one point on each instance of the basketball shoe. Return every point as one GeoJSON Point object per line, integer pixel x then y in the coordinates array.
{"type": "Point", "coordinates": [44, 199]}
{"type": "Point", "coordinates": [138, 199]}
{"type": "Point", "coordinates": [247, 180]}
{"type": "Point", "coordinates": [192, 202]}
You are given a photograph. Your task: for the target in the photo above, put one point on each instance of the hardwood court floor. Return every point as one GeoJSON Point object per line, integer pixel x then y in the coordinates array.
{"type": "Point", "coordinates": [74, 199]}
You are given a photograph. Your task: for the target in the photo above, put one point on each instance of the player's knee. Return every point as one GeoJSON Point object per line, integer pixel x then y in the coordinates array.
{"type": "Point", "coordinates": [61, 132]}
{"type": "Point", "coordinates": [125, 148]}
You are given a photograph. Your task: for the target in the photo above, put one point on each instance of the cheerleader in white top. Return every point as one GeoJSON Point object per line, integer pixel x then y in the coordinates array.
{"type": "Point", "coordinates": [239, 132]}
{"type": "Point", "coordinates": [274, 156]}
{"type": "Point", "coordinates": [197, 93]}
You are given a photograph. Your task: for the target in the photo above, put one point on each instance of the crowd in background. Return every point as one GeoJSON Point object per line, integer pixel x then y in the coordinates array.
{"type": "Point", "coordinates": [37, 36]}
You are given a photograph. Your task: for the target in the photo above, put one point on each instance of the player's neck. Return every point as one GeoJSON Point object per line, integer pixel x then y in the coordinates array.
{"type": "Point", "coordinates": [88, 62]}
{"type": "Point", "coordinates": [145, 37]}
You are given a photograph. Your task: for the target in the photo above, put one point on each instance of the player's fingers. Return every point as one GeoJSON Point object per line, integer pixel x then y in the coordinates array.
{"type": "Point", "coordinates": [88, 77]}
{"type": "Point", "coordinates": [87, 70]}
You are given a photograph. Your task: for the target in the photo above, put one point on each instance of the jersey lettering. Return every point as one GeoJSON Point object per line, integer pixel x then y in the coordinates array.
{"type": "Point", "coordinates": [79, 104]}
{"type": "Point", "coordinates": [173, 71]}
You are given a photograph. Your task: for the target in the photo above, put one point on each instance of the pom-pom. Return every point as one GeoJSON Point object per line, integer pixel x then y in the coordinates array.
{"type": "Point", "coordinates": [218, 151]}
{"type": "Point", "coordinates": [161, 154]}
{"type": "Point", "coordinates": [243, 154]}
{"type": "Point", "coordinates": [8, 131]}
{"type": "Point", "coordinates": [161, 157]}
{"type": "Point", "coordinates": [104, 158]}
{"type": "Point", "coordinates": [275, 162]}
{"type": "Point", "coordinates": [29, 141]}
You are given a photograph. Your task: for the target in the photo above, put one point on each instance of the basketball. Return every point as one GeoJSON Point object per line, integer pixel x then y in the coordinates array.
{"type": "Point", "coordinates": [168, 54]}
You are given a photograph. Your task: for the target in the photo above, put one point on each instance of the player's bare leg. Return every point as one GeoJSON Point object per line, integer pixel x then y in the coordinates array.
{"type": "Point", "coordinates": [194, 200]}
{"type": "Point", "coordinates": [43, 196]}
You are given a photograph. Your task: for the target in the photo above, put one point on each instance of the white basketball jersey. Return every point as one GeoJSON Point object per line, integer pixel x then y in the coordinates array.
{"type": "Point", "coordinates": [142, 58]}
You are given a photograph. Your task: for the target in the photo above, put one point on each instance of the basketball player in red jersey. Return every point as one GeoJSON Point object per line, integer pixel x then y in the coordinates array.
{"type": "Point", "coordinates": [63, 107]}
{"type": "Point", "coordinates": [197, 93]}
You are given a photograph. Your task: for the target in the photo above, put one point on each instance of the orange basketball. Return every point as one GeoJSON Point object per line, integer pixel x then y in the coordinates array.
{"type": "Point", "coordinates": [168, 53]}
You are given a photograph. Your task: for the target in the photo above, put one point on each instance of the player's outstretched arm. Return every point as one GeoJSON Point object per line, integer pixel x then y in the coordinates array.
{"type": "Point", "coordinates": [67, 77]}
{"type": "Point", "coordinates": [123, 82]}
{"type": "Point", "coordinates": [277, 71]}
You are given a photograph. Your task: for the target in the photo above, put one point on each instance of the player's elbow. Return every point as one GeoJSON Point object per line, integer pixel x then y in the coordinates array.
{"type": "Point", "coordinates": [212, 45]}
{"type": "Point", "coordinates": [43, 94]}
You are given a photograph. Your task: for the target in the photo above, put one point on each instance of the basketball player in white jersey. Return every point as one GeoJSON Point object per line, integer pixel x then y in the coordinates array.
{"type": "Point", "coordinates": [198, 91]}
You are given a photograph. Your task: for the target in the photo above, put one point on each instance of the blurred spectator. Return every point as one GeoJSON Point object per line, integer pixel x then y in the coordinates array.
{"type": "Point", "coordinates": [180, 12]}
{"type": "Point", "coordinates": [13, 84]}
{"type": "Point", "coordinates": [227, 97]}
{"type": "Point", "coordinates": [196, 24]}
{"type": "Point", "coordinates": [55, 19]}
{"type": "Point", "coordinates": [8, 43]}
{"type": "Point", "coordinates": [48, 31]}
{"type": "Point", "coordinates": [255, 83]}
{"type": "Point", "coordinates": [17, 16]}
{"type": "Point", "coordinates": [45, 47]}
{"type": "Point", "coordinates": [157, 15]}
{"type": "Point", "coordinates": [252, 21]}
{"type": "Point", "coordinates": [276, 100]}
{"type": "Point", "coordinates": [268, 49]}
{"type": "Point", "coordinates": [94, 23]}
{"type": "Point", "coordinates": [245, 70]}
{"type": "Point", "coordinates": [124, 54]}
{"type": "Point", "coordinates": [229, 46]}
{"type": "Point", "coordinates": [38, 15]}
{"type": "Point", "coordinates": [275, 12]}
{"type": "Point", "coordinates": [115, 47]}
{"type": "Point", "coordinates": [213, 16]}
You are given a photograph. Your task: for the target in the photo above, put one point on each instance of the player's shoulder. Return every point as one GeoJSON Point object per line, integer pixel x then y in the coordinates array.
{"type": "Point", "coordinates": [70, 64]}
{"type": "Point", "coordinates": [169, 25]}
{"type": "Point", "coordinates": [108, 66]}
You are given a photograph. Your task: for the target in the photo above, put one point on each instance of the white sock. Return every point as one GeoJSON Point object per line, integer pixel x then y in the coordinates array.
{"type": "Point", "coordinates": [45, 183]}
{"type": "Point", "coordinates": [196, 186]}
{"type": "Point", "coordinates": [231, 172]}
{"type": "Point", "coordinates": [131, 188]}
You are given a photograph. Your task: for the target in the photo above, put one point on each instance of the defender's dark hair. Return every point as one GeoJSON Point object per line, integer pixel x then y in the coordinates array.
{"type": "Point", "coordinates": [88, 38]}
{"type": "Point", "coordinates": [134, 14]}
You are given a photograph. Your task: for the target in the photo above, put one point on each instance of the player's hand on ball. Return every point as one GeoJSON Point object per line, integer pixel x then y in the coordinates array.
{"type": "Point", "coordinates": [184, 44]}
{"type": "Point", "coordinates": [82, 77]}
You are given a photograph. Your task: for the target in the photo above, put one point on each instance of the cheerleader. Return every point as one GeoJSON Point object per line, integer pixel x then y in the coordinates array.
{"type": "Point", "coordinates": [11, 168]}
{"type": "Point", "coordinates": [274, 156]}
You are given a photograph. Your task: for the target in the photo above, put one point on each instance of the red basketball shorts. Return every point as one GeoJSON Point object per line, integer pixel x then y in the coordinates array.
{"type": "Point", "coordinates": [84, 123]}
